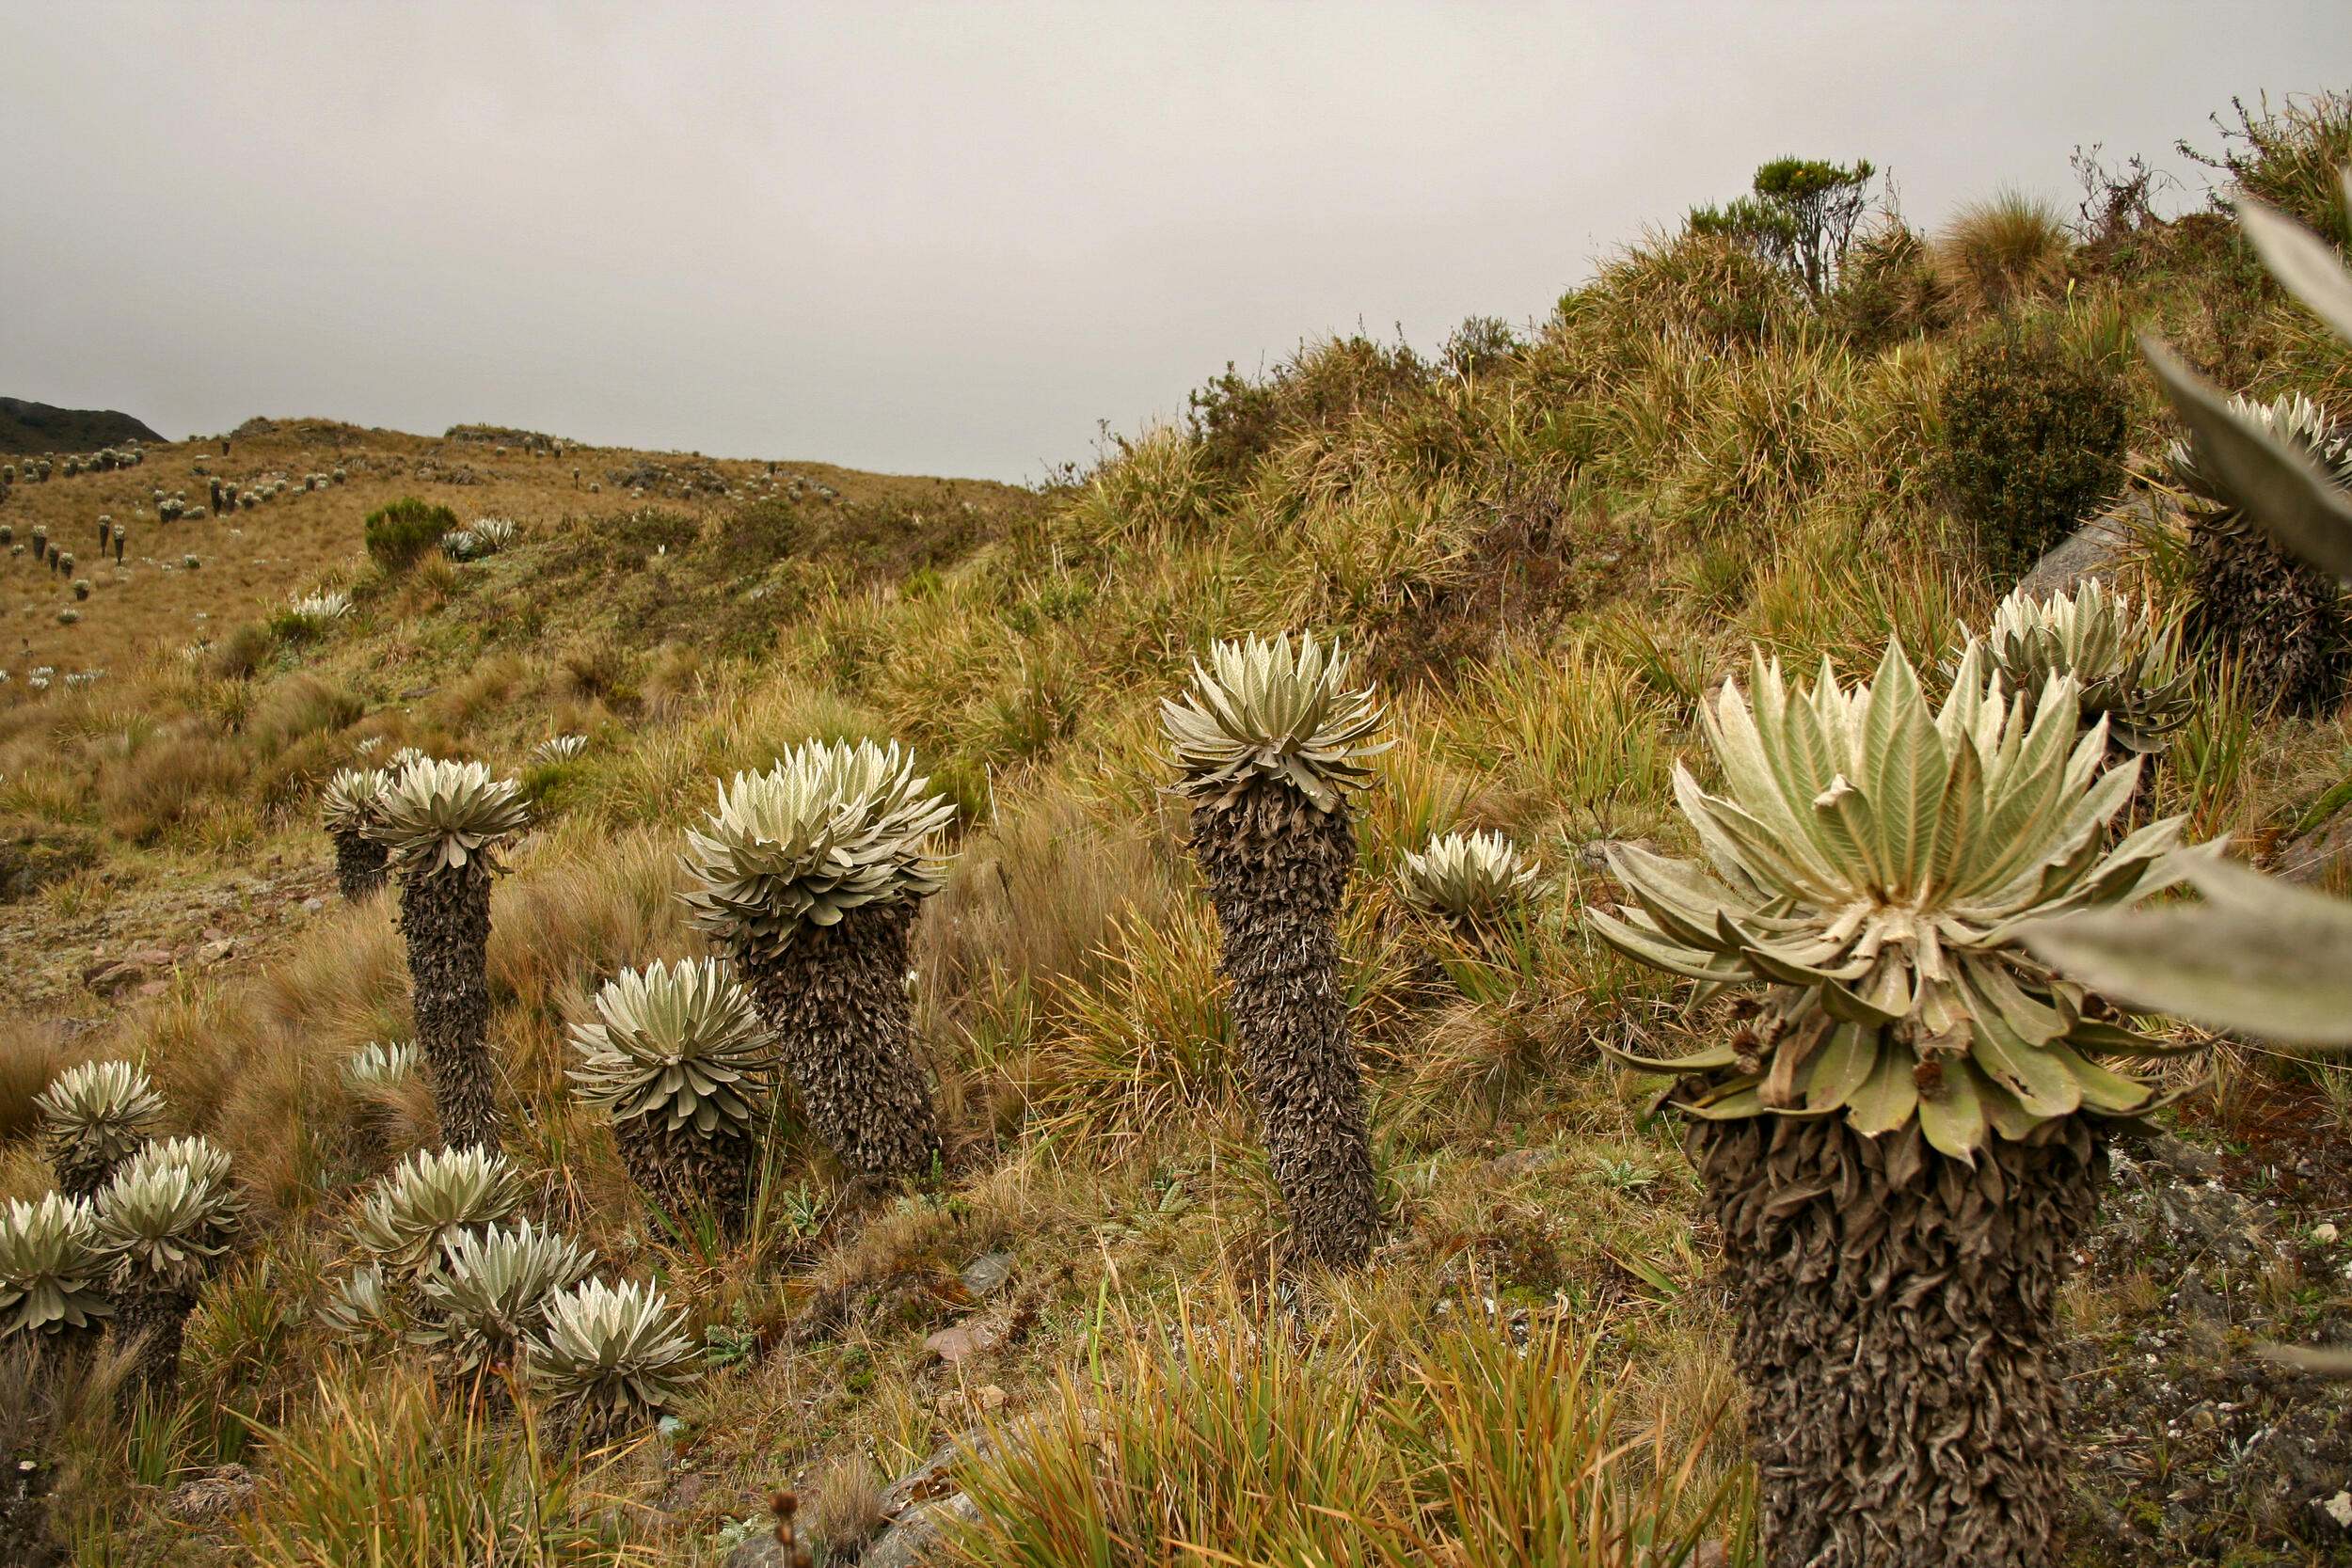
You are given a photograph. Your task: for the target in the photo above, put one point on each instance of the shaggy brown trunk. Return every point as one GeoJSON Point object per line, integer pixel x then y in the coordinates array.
{"type": "Point", "coordinates": [24, 1512]}
{"type": "Point", "coordinates": [80, 1175]}
{"type": "Point", "coordinates": [836, 999]}
{"type": "Point", "coordinates": [359, 864]}
{"type": "Point", "coordinates": [445, 917]}
{"type": "Point", "coordinates": [1277, 869]}
{"type": "Point", "coordinates": [151, 1319]}
{"type": "Point", "coordinates": [683, 1171]}
{"type": "Point", "coordinates": [2282, 616]}
{"type": "Point", "coordinates": [1898, 1335]}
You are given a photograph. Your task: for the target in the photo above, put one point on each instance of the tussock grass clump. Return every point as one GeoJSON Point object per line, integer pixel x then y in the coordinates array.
{"type": "Point", "coordinates": [387, 1467]}
{"type": "Point", "coordinates": [1999, 252]}
{"type": "Point", "coordinates": [1236, 1427]}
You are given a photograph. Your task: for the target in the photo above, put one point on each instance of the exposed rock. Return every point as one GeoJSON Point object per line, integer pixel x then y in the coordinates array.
{"type": "Point", "coordinates": [2314, 858]}
{"type": "Point", "coordinates": [916, 1536]}
{"type": "Point", "coordinates": [144, 969]}
{"type": "Point", "coordinates": [988, 1273]}
{"type": "Point", "coordinates": [963, 1340]}
{"type": "Point", "coordinates": [2092, 550]}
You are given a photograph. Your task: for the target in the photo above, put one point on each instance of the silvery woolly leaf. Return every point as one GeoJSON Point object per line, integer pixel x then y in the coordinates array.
{"type": "Point", "coordinates": [2289, 496]}
{"type": "Point", "coordinates": [2303, 263]}
{"type": "Point", "coordinates": [2260, 957]}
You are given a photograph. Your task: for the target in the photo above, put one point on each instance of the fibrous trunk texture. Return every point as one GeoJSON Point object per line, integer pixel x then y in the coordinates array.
{"type": "Point", "coordinates": [1898, 1335]}
{"type": "Point", "coordinates": [24, 1510]}
{"type": "Point", "coordinates": [683, 1171]}
{"type": "Point", "coordinates": [152, 1318]}
{"type": "Point", "coordinates": [445, 917]}
{"type": "Point", "coordinates": [836, 999]}
{"type": "Point", "coordinates": [1277, 869]}
{"type": "Point", "coordinates": [2282, 618]}
{"type": "Point", "coordinates": [82, 1174]}
{"type": "Point", "coordinates": [359, 864]}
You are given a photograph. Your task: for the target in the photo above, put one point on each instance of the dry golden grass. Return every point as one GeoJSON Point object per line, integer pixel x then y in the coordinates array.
{"type": "Point", "coordinates": [1997, 252]}
{"type": "Point", "coordinates": [1546, 566]}
{"type": "Point", "coordinates": [253, 560]}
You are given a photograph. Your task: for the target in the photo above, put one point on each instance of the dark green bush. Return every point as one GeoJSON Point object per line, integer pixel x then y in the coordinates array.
{"type": "Point", "coordinates": [763, 531]}
{"type": "Point", "coordinates": [2031, 439]}
{"type": "Point", "coordinates": [400, 531]}
{"type": "Point", "coordinates": [1237, 420]}
{"type": "Point", "coordinates": [1800, 217]}
{"type": "Point", "coordinates": [1887, 292]}
{"type": "Point", "coordinates": [1713, 290]}
{"type": "Point", "coordinates": [1482, 345]}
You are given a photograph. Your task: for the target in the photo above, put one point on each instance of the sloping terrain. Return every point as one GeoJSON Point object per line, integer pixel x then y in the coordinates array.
{"type": "Point", "coordinates": [1543, 550]}
{"type": "Point", "coordinates": [39, 427]}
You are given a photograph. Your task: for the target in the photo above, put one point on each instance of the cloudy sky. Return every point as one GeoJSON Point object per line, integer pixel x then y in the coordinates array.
{"type": "Point", "coordinates": [950, 239]}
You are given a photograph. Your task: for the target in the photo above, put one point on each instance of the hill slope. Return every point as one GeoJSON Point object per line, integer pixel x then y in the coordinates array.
{"type": "Point", "coordinates": [1544, 551]}
{"type": "Point", "coordinates": [39, 427]}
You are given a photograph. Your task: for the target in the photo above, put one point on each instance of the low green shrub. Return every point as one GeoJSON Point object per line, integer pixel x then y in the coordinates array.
{"type": "Point", "coordinates": [400, 531]}
{"type": "Point", "coordinates": [2030, 441]}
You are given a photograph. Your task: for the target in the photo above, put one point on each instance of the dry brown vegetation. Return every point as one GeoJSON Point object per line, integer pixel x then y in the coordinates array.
{"type": "Point", "coordinates": [1546, 562]}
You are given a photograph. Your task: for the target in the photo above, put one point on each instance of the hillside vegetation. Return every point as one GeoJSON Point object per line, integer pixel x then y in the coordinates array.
{"type": "Point", "coordinates": [1544, 550]}
{"type": "Point", "coordinates": [37, 427]}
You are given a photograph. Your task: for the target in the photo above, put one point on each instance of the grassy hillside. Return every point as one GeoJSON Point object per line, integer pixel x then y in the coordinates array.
{"type": "Point", "coordinates": [1544, 548]}
{"type": "Point", "coordinates": [40, 427]}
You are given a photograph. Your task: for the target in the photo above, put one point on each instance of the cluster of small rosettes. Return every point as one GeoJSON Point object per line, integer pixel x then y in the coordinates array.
{"type": "Point", "coordinates": [2124, 659]}
{"type": "Point", "coordinates": [445, 1270]}
{"type": "Point", "coordinates": [168, 1215]}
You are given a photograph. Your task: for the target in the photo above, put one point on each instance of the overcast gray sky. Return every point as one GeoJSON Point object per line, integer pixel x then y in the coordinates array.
{"type": "Point", "coordinates": [949, 239]}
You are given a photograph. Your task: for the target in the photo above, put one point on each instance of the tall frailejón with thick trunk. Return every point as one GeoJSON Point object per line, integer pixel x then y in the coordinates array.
{"type": "Point", "coordinates": [347, 809]}
{"type": "Point", "coordinates": [1269, 742]}
{"type": "Point", "coordinates": [2282, 617]}
{"type": "Point", "coordinates": [443, 824]}
{"type": "Point", "coordinates": [1903, 1137]}
{"type": "Point", "coordinates": [678, 1059]}
{"type": "Point", "coordinates": [809, 873]}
